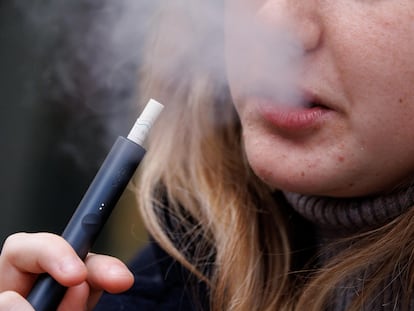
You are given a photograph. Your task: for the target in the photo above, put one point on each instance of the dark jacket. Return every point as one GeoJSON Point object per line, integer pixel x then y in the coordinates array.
{"type": "Point", "coordinates": [161, 284]}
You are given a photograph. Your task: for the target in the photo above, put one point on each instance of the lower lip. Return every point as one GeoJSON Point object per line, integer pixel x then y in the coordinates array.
{"type": "Point", "coordinates": [292, 118]}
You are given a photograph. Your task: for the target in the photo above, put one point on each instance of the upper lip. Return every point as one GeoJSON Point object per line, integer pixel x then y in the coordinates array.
{"type": "Point", "coordinates": [308, 97]}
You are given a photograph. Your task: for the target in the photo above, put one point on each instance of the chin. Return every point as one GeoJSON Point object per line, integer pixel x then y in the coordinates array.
{"type": "Point", "coordinates": [308, 183]}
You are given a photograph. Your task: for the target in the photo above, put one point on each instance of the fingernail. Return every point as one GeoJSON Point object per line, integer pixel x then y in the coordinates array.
{"type": "Point", "coordinates": [119, 271]}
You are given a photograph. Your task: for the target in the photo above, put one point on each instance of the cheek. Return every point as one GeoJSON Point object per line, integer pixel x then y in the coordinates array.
{"type": "Point", "coordinates": [374, 50]}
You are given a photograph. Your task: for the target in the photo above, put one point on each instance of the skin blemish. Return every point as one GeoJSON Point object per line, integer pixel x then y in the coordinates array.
{"type": "Point", "coordinates": [341, 159]}
{"type": "Point", "coordinates": [302, 174]}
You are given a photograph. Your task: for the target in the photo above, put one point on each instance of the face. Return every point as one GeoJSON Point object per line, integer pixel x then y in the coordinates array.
{"type": "Point", "coordinates": [351, 132]}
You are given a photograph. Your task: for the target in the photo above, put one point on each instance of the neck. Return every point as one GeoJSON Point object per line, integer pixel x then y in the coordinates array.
{"type": "Point", "coordinates": [352, 214]}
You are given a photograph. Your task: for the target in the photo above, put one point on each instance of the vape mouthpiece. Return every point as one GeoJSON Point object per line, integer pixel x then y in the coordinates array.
{"type": "Point", "coordinates": [139, 131]}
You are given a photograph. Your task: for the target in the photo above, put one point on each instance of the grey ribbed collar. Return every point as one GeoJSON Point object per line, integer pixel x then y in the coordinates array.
{"type": "Point", "coordinates": [352, 214]}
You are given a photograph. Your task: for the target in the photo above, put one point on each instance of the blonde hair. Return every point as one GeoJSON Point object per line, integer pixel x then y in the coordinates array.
{"type": "Point", "coordinates": [196, 163]}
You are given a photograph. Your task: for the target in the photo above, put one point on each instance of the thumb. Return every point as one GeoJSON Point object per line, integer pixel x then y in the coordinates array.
{"type": "Point", "coordinates": [12, 301]}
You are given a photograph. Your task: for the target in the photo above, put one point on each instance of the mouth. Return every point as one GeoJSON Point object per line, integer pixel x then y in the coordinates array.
{"type": "Point", "coordinates": [311, 101]}
{"type": "Point", "coordinates": [309, 114]}
{"type": "Point", "coordinates": [315, 105]}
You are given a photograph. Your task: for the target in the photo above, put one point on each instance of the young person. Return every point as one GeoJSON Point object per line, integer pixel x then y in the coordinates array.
{"type": "Point", "coordinates": [264, 206]}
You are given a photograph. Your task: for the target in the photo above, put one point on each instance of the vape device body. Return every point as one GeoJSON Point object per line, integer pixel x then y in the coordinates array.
{"type": "Point", "coordinates": [98, 203]}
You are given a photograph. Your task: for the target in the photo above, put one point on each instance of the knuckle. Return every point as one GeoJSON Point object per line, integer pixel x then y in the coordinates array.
{"type": "Point", "coordinates": [18, 243]}
{"type": "Point", "coordinates": [11, 242]}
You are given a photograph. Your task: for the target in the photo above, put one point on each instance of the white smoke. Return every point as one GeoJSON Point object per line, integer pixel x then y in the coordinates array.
{"type": "Point", "coordinates": [107, 37]}
{"type": "Point", "coordinates": [263, 60]}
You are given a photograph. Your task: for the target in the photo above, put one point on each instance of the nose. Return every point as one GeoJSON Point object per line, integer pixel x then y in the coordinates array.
{"type": "Point", "coordinates": [299, 18]}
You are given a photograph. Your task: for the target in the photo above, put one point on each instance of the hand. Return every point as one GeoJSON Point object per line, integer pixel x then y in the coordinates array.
{"type": "Point", "coordinates": [24, 256]}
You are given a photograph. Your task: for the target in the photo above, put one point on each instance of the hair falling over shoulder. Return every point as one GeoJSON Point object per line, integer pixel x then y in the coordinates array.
{"type": "Point", "coordinates": [198, 166]}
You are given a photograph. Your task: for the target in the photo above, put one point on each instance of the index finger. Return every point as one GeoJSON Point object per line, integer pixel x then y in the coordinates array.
{"type": "Point", "coordinates": [26, 255]}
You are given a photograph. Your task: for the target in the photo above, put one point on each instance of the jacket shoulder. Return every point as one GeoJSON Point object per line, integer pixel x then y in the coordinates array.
{"type": "Point", "coordinates": [161, 284]}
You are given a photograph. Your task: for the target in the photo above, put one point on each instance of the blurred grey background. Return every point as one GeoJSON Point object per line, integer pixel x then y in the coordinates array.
{"type": "Point", "coordinates": [67, 90]}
